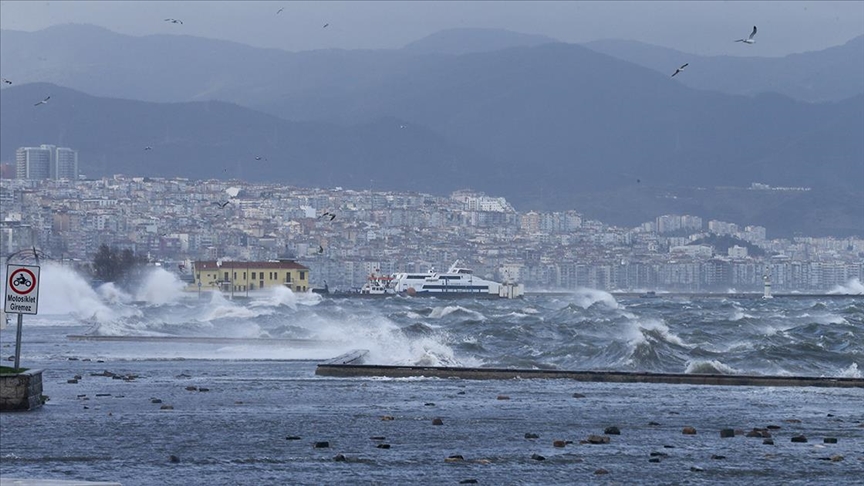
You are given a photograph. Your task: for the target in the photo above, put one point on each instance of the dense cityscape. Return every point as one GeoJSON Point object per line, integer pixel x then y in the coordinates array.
{"type": "Point", "coordinates": [178, 221]}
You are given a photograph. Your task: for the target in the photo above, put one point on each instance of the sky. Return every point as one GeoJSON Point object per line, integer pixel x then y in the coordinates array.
{"type": "Point", "coordinates": [699, 27]}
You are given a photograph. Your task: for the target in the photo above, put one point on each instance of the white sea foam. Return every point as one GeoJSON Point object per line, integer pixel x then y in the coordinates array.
{"type": "Point", "coordinates": [635, 332]}
{"type": "Point", "coordinates": [709, 367]}
{"type": "Point", "coordinates": [852, 287]}
{"type": "Point", "coordinates": [62, 291]}
{"type": "Point", "coordinates": [160, 287]}
{"type": "Point", "coordinates": [851, 372]}
{"type": "Point", "coordinates": [439, 312]}
{"type": "Point", "coordinates": [585, 298]}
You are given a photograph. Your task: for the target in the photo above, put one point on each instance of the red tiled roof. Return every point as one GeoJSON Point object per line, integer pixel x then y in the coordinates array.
{"type": "Point", "coordinates": [280, 265]}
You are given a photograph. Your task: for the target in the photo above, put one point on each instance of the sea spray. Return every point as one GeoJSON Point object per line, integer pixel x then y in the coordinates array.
{"type": "Point", "coordinates": [852, 287]}
{"type": "Point", "coordinates": [63, 291]}
{"type": "Point", "coordinates": [159, 287]}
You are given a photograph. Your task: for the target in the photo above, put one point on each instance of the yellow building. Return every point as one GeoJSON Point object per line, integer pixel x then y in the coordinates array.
{"type": "Point", "coordinates": [229, 276]}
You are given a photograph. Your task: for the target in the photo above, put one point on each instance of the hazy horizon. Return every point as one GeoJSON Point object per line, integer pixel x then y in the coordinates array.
{"type": "Point", "coordinates": [704, 28]}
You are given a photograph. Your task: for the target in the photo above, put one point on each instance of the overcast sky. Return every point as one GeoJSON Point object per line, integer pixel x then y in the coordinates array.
{"type": "Point", "coordinates": [700, 27]}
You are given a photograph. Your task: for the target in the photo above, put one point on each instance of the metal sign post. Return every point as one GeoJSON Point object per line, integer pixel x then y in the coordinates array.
{"type": "Point", "coordinates": [21, 297]}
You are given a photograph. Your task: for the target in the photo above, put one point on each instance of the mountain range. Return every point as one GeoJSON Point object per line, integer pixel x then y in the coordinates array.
{"type": "Point", "coordinates": [546, 124]}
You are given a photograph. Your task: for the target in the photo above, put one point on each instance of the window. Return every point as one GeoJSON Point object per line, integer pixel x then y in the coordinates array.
{"type": "Point", "coordinates": [287, 276]}
{"type": "Point", "coordinates": [226, 276]}
{"type": "Point", "coordinates": [244, 275]}
{"type": "Point", "coordinates": [302, 275]}
{"type": "Point", "coordinates": [253, 275]}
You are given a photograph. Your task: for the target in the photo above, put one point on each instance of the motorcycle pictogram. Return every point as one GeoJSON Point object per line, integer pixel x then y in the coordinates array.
{"type": "Point", "coordinates": [21, 280]}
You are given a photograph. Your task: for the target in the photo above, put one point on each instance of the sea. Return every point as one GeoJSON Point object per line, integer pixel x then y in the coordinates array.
{"type": "Point", "coordinates": [155, 385]}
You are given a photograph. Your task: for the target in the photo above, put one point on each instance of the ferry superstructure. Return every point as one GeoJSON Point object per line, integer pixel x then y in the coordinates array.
{"type": "Point", "coordinates": [456, 282]}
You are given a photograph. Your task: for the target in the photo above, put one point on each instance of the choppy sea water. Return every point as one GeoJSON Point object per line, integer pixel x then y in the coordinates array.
{"type": "Point", "coordinates": [262, 389]}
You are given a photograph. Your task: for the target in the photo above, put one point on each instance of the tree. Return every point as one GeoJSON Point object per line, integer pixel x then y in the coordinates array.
{"type": "Point", "coordinates": [105, 264]}
{"type": "Point", "coordinates": [123, 267]}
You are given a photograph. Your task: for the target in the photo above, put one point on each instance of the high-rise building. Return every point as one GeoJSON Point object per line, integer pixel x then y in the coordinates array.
{"type": "Point", "coordinates": [65, 164]}
{"type": "Point", "coordinates": [46, 162]}
{"type": "Point", "coordinates": [33, 163]}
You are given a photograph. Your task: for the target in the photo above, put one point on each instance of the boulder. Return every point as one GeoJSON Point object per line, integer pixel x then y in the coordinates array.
{"type": "Point", "coordinates": [559, 443]}
{"type": "Point", "coordinates": [653, 424]}
{"type": "Point", "coordinates": [166, 407]}
{"type": "Point", "coordinates": [430, 404]}
{"type": "Point", "coordinates": [829, 440]}
{"type": "Point", "coordinates": [768, 441]}
{"type": "Point", "coordinates": [696, 469]}
{"type": "Point", "coordinates": [578, 395]}
{"type": "Point", "coordinates": [503, 397]}
{"type": "Point", "coordinates": [654, 459]}
{"type": "Point", "coordinates": [688, 431]}
{"type": "Point", "coordinates": [537, 457]}
{"type": "Point", "coordinates": [598, 439]}
{"type": "Point", "coordinates": [339, 458]}
{"type": "Point", "coordinates": [837, 458]}
{"type": "Point", "coordinates": [387, 418]}
{"type": "Point", "coordinates": [717, 457]}
{"type": "Point", "coordinates": [612, 431]}
{"type": "Point", "coordinates": [383, 446]}
{"type": "Point", "coordinates": [601, 471]}
{"type": "Point", "coordinates": [191, 388]}
{"type": "Point", "coordinates": [799, 438]}
{"type": "Point", "coordinates": [726, 433]}
{"type": "Point", "coordinates": [437, 421]}
{"type": "Point", "coordinates": [454, 458]}
{"type": "Point", "coordinates": [529, 435]}
{"type": "Point", "coordinates": [173, 458]}
{"type": "Point", "coordinates": [468, 481]}
{"type": "Point", "coordinates": [321, 445]}
{"type": "Point", "coordinates": [293, 437]}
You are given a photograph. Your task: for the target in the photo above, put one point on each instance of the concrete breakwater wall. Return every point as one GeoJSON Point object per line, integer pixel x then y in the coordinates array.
{"type": "Point", "coordinates": [21, 391]}
{"type": "Point", "coordinates": [337, 369]}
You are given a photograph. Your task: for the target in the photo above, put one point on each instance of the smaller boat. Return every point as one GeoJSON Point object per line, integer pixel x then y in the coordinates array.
{"type": "Point", "coordinates": [322, 291]}
{"type": "Point", "coordinates": [378, 285]}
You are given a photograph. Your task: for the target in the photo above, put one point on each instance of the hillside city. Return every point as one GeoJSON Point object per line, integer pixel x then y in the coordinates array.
{"type": "Point", "coordinates": [177, 221]}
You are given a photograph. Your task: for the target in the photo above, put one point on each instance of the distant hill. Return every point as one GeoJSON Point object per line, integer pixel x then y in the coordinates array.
{"type": "Point", "coordinates": [549, 126]}
{"type": "Point", "coordinates": [465, 40]}
{"type": "Point", "coordinates": [164, 68]}
{"type": "Point", "coordinates": [562, 118]}
{"type": "Point", "coordinates": [214, 139]}
{"type": "Point", "coordinates": [831, 74]}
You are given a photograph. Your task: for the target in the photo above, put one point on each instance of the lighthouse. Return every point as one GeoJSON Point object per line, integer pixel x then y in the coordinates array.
{"type": "Point", "coordinates": [767, 285]}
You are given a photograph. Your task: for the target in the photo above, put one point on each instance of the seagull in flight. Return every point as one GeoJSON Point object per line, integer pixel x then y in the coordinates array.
{"type": "Point", "coordinates": [148, 148]}
{"type": "Point", "coordinates": [222, 204]}
{"type": "Point", "coordinates": [43, 102]}
{"type": "Point", "coordinates": [280, 10]}
{"type": "Point", "coordinates": [7, 81]}
{"type": "Point", "coordinates": [258, 157]}
{"type": "Point", "coordinates": [174, 21]}
{"type": "Point", "coordinates": [332, 216]}
{"type": "Point", "coordinates": [749, 40]}
{"type": "Point", "coordinates": [680, 69]}
{"type": "Point", "coordinates": [325, 26]}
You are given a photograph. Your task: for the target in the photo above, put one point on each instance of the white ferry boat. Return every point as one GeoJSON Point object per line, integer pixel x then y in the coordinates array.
{"type": "Point", "coordinates": [455, 282]}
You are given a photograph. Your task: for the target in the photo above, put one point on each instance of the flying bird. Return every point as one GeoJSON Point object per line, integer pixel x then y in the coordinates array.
{"type": "Point", "coordinates": [280, 11]}
{"type": "Point", "coordinates": [320, 249]}
{"type": "Point", "coordinates": [258, 157]}
{"type": "Point", "coordinates": [325, 26]}
{"type": "Point", "coordinates": [680, 69]}
{"type": "Point", "coordinates": [331, 215]}
{"type": "Point", "coordinates": [45, 101]}
{"type": "Point", "coordinates": [148, 148]}
{"type": "Point", "coordinates": [174, 21]}
{"type": "Point", "coordinates": [749, 40]}
{"type": "Point", "coordinates": [7, 81]}
{"type": "Point", "coordinates": [222, 204]}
